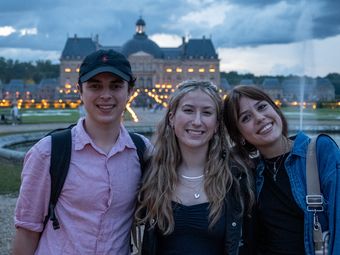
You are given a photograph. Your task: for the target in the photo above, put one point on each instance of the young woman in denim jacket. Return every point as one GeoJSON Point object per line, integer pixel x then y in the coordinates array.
{"type": "Point", "coordinates": [191, 202]}
{"type": "Point", "coordinates": [284, 225]}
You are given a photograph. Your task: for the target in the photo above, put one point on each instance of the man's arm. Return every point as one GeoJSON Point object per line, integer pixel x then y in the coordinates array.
{"type": "Point", "coordinates": [25, 242]}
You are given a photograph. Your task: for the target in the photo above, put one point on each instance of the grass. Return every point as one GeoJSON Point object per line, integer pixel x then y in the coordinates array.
{"type": "Point", "coordinates": [10, 176]}
{"type": "Point", "coordinates": [10, 171]}
{"type": "Point", "coordinates": [317, 114]}
{"type": "Point", "coordinates": [34, 116]}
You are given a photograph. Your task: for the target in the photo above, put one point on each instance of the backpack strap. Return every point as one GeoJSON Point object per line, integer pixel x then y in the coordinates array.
{"type": "Point", "coordinates": [60, 160]}
{"type": "Point", "coordinates": [136, 230]}
{"type": "Point", "coordinates": [141, 147]}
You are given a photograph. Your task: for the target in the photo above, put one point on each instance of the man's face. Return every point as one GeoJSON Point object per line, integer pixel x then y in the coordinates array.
{"type": "Point", "coordinates": [105, 96]}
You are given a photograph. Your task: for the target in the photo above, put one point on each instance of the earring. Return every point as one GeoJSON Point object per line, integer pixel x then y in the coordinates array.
{"type": "Point", "coordinates": [243, 141]}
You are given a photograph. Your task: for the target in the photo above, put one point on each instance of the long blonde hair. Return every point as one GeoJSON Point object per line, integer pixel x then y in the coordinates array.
{"type": "Point", "coordinates": [161, 179]}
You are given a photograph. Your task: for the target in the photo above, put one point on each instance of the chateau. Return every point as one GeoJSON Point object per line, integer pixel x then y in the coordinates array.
{"type": "Point", "coordinates": [153, 66]}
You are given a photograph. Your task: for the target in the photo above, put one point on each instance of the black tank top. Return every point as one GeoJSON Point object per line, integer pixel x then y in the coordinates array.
{"type": "Point", "coordinates": [280, 220]}
{"type": "Point", "coordinates": [192, 234]}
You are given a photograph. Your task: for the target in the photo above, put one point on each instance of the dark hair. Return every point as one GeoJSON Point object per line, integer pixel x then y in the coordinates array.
{"type": "Point", "coordinates": [231, 115]}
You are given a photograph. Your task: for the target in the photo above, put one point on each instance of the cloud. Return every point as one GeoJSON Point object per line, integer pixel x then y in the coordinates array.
{"type": "Point", "coordinates": [233, 24]}
{"type": "Point", "coordinates": [6, 30]}
{"type": "Point", "coordinates": [166, 40]}
{"type": "Point", "coordinates": [313, 57]}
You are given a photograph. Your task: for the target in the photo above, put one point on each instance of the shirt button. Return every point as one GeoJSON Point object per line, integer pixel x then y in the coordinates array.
{"type": "Point", "coordinates": [233, 224]}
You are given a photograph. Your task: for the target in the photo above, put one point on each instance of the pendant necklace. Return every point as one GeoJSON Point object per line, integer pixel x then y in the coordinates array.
{"type": "Point", "coordinates": [197, 194]}
{"type": "Point", "coordinates": [276, 166]}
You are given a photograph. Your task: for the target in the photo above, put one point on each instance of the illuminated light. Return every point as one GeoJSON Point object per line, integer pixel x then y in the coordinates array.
{"type": "Point", "coordinates": [61, 91]}
{"type": "Point", "coordinates": [314, 106]}
{"type": "Point", "coordinates": [190, 70]}
{"type": "Point", "coordinates": [75, 91]}
{"type": "Point", "coordinates": [172, 90]}
{"type": "Point", "coordinates": [68, 86]}
{"type": "Point", "coordinates": [133, 114]}
{"type": "Point", "coordinates": [163, 86]}
{"type": "Point", "coordinates": [146, 90]}
{"type": "Point", "coordinates": [157, 86]}
{"type": "Point", "coordinates": [67, 70]}
{"type": "Point", "coordinates": [77, 70]}
{"type": "Point", "coordinates": [212, 70]}
{"type": "Point", "coordinates": [168, 70]}
{"type": "Point", "coordinates": [278, 102]}
{"type": "Point", "coordinates": [153, 90]}
{"type": "Point", "coordinates": [169, 86]}
{"type": "Point", "coordinates": [32, 101]}
{"type": "Point", "coordinates": [201, 70]}
{"type": "Point", "coordinates": [60, 101]}
{"type": "Point", "coordinates": [179, 70]}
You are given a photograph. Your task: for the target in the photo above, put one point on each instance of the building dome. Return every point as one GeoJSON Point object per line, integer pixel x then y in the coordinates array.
{"type": "Point", "coordinates": [141, 42]}
{"type": "Point", "coordinates": [140, 22]}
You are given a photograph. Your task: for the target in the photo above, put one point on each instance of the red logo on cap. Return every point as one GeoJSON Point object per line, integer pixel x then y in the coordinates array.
{"type": "Point", "coordinates": [105, 58]}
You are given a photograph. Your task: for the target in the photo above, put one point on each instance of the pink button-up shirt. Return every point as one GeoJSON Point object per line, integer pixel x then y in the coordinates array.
{"type": "Point", "coordinates": [96, 206]}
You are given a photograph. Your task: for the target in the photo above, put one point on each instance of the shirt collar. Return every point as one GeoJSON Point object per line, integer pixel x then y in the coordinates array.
{"type": "Point", "coordinates": [82, 138]}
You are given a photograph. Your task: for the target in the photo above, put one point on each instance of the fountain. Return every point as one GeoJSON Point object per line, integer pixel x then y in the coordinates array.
{"type": "Point", "coordinates": [303, 34]}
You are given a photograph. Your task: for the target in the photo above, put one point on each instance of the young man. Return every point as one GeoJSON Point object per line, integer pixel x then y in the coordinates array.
{"type": "Point", "coordinates": [96, 205]}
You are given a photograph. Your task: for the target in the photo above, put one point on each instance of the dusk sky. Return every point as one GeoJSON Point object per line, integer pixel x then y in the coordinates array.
{"type": "Point", "coordinates": [257, 36]}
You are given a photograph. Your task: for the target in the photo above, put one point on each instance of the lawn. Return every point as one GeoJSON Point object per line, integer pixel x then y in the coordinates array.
{"type": "Point", "coordinates": [10, 176]}
{"type": "Point", "coordinates": [35, 116]}
{"type": "Point", "coordinates": [317, 114]}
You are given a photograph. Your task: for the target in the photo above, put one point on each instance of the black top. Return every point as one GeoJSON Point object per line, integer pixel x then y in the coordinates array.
{"type": "Point", "coordinates": [280, 220]}
{"type": "Point", "coordinates": [192, 234]}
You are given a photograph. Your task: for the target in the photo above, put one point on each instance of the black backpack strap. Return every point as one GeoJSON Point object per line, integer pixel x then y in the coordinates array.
{"type": "Point", "coordinates": [141, 147]}
{"type": "Point", "coordinates": [60, 161]}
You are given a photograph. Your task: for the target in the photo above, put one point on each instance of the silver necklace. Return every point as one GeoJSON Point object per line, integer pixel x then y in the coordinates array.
{"type": "Point", "coordinates": [197, 188]}
{"type": "Point", "coordinates": [192, 177]}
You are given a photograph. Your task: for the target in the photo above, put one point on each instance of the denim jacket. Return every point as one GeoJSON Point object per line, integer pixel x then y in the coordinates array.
{"type": "Point", "coordinates": [328, 160]}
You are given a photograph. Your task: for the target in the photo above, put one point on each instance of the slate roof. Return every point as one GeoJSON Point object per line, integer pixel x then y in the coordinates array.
{"type": "Point", "coordinates": [78, 48]}
{"type": "Point", "coordinates": [48, 83]}
{"type": "Point", "coordinates": [172, 53]}
{"type": "Point", "coordinates": [141, 42]}
{"type": "Point", "coordinates": [197, 48]}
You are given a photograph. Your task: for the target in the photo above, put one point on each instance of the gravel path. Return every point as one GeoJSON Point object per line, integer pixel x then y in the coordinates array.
{"type": "Point", "coordinates": [7, 204]}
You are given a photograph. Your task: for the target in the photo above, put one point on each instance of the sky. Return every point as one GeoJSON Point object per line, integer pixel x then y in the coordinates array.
{"type": "Point", "coordinates": [263, 37]}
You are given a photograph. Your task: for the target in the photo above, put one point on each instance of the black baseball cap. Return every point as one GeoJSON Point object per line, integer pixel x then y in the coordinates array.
{"type": "Point", "coordinates": [105, 61]}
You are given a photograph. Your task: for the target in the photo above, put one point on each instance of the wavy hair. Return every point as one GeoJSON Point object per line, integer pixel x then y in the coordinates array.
{"type": "Point", "coordinates": [231, 113]}
{"type": "Point", "coordinates": [161, 179]}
